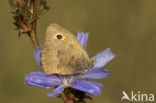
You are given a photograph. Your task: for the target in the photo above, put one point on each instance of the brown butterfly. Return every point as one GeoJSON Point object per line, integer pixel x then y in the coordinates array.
{"type": "Point", "coordinates": [63, 53]}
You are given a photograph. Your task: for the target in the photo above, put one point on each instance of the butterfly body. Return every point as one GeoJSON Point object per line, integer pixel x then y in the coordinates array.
{"type": "Point", "coordinates": [63, 53]}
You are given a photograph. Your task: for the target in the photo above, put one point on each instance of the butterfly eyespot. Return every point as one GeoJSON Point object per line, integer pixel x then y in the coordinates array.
{"type": "Point", "coordinates": [59, 36]}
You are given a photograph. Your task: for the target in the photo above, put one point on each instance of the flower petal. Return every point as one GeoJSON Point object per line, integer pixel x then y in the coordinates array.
{"type": "Point", "coordinates": [89, 87]}
{"type": "Point", "coordinates": [56, 92]}
{"type": "Point", "coordinates": [37, 55]}
{"type": "Point", "coordinates": [96, 73]}
{"type": "Point", "coordinates": [40, 79]}
{"type": "Point", "coordinates": [103, 58]}
{"type": "Point", "coordinates": [82, 37]}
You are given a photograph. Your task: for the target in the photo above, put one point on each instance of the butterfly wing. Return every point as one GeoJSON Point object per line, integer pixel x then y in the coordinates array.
{"type": "Point", "coordinates": [63, 56]}
{"type": "Point", "coordinates": [64, 60]}
{"type": "Point", "coordinates": [73, 61]}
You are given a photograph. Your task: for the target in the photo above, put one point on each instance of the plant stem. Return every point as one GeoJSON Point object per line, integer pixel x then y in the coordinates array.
{"type": "Point", "coordinates": [34, 24]}
{"type": "Point", "coordinates": [65, 98]}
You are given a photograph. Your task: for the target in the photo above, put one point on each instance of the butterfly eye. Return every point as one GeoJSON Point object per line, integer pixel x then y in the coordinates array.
{"type": "Point", "coordinates": [59, 36]}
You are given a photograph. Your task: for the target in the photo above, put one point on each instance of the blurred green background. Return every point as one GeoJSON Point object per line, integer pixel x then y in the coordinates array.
{"type": "Point", "coordinates": [128, 27]}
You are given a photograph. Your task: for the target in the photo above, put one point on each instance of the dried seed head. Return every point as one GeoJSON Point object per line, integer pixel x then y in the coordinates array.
{"type": "Point", "coordinates": [15, 4]}
{"type": "Point", "coordinates": [44, 4]}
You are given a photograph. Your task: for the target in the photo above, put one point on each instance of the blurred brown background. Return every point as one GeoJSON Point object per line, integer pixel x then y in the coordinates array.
{"type": "Point", "coordinates": [128, 27]}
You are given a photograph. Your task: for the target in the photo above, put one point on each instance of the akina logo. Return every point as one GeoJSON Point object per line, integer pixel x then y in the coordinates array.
{"type": "Point", "coordinates": [137, 96]}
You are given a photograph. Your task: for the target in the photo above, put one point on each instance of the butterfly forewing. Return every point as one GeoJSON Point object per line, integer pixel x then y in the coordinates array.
{"type": "Point", "coordinates": [63, 53]}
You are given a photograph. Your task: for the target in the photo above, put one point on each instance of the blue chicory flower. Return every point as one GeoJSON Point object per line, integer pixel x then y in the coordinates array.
{"type": "Point", "coordinates": [40, 79]}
